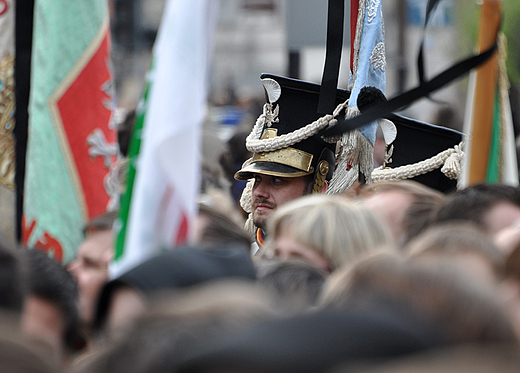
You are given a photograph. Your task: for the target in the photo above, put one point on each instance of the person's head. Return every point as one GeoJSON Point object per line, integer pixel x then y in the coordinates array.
{"type": "Point", "coordinates": [125, 297]}
{"type": "Point", "coordinates": [178, 323]}
{"type": "Point", "coordinates": [461, 245]}
{"type": "Point", "coordinates": [217, 228]}
{"type": "Point", "coordinates": [235, 154]}
{"type": "Point", "coordinates": [406, 206]}
{"type": "Point", "coordinates": [90, 267]}
{"type": "Point", "coordinates": [476, 358]}
{"type": "Point", "coordinates": [50, 314]}
{"type": "Point", "coordinates": [19, 354]}
{"type": "Point", "coordinates": [269, 192]}
{"type": "Point", "coordinates": [313, 342]}
{"type": "Point", "coordinates": [439, 298]}
{"type": "Point", "coordinates": [328, 231]}
{"type": "Point", "coordinates": [491, 206]}
{"type": "Point", "coordinates": [290, 156]}
{"type": "Point", "coordinates": [295, 283]}
{"type": "Point", "coordinates": [13, 281]}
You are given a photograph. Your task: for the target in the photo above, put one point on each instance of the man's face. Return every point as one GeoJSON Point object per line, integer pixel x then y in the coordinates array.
{"type": "Point", "coordinates": [270, 192]}
{"type": "Point", "coordinates": [90, 268]}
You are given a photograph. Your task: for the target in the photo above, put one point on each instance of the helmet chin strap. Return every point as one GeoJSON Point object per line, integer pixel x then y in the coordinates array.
{"type": "Point", "coordinates": [321, 174]}
{"type": "Point", "coordinates": [324, 169]}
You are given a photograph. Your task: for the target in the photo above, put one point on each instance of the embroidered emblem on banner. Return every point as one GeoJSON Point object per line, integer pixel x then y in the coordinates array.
{"type": "Point", "coordinates": [372, 10]}
{"type": "Point", "coordinates": [7, 121]}
{"type": "Point", "coordinates": [82, 109]}
{"type": "Point", "coordinates": [377, 58]}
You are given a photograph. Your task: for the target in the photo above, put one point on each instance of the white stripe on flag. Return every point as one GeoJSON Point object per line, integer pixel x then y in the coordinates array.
{"type": "Point", "coordinates": [168, 170]}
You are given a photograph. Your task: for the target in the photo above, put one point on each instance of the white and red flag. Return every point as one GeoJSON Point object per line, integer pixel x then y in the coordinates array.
{"type": "Point", "coordinates": [159, 208]}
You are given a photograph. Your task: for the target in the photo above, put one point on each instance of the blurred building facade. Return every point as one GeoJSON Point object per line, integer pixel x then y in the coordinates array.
{"type": "Point", "coordinates": [256, 36]}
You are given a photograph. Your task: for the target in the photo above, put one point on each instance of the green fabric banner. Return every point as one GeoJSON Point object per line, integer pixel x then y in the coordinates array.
{"type": "Point", "coordinates": [70, 164]}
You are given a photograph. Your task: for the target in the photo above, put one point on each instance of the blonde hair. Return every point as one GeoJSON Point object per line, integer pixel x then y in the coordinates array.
{"type": "Point", "coordinates": [339, 229]}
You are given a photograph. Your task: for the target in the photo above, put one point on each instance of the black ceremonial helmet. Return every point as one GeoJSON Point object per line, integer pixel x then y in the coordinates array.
{"type": "Point", "coordinates": [418, 141]}
{"type": "Point", "coordinates": [414, 143]}
{"type": "Point", "coordinates": [292, 105]}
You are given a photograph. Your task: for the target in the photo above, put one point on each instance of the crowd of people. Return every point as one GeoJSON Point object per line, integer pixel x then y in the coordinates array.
{"type": "Point", "coordinates": [397, 277]}
{"type": "Point", "coordinates": [387, 276]}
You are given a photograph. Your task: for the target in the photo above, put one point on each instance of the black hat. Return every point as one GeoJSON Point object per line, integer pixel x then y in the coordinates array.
{"type": "Point", "coordinates": [417, 141]}
{"type": "Point", "coordinates": [316, 342]}
{"type": "Point", "coordinates": [179, 268]}
{"type": "Point", "coordinates": [291, 105]}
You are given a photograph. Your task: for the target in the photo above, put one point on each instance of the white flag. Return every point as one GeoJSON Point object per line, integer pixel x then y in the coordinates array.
{"type": "Point", "coordinates": [162, 206]}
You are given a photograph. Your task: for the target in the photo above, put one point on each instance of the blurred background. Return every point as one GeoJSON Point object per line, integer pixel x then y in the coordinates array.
{"type": "Point", "coordinates": [287, 37]}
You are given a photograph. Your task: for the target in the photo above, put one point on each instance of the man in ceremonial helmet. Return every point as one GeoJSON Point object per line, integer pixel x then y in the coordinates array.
{"type": "Point", "coordinates": [290, 157]}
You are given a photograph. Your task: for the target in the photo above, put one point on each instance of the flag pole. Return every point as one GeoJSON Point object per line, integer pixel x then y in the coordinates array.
{"type": "Point", "coordinates": [486, 78]}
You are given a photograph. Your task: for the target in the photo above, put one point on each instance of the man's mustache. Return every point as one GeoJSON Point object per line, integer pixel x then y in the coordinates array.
{"type": "Point", "coordinates": [263, 201]}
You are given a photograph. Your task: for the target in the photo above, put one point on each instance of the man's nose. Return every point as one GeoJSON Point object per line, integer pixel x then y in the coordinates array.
{"type": "Point", "coordinates": [260, 189]}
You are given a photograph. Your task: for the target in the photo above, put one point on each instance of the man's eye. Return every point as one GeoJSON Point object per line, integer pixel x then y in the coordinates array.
{"type": "Point", "coordinates": [89, 263]}
{"type": "Point", "coordinates": [277, 180]}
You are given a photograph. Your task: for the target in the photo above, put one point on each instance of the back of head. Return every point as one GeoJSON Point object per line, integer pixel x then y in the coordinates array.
{"type": "Point", "coordinates": [296, 283]}
{"type": "Point", "coordinates": [420, 209]}
{"type": "Point", "coordinates": [175, 269]}
{"type": "Point", "coordinates": [414, 188]}
{"type": "Point", "coordinates": [448, 241]}
{"type": "Point", "coordinates": [12, 280]}
{"type": "Point", "coordinates": [17, 355]}
{"type": "Point", "coordinates": [180, 322]}
{"type": "Point", "coordinates": [472, 203]}
{"type": "Point", "coordinates": [455, 359]}
{"type": "Point", "coordinates": [311, 343]}
{"type": "Point", "coordinates": [219, 230]}
{"type": "Point", "coordinates": [442, 298]}
{"type": "Point", "coordinates": [339, 229]}
{"type": "Point", "coordinates": [102, 222]}
{"type": "Point", "coordinates": [50, 281]}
